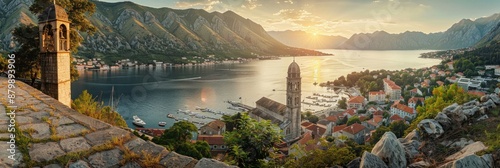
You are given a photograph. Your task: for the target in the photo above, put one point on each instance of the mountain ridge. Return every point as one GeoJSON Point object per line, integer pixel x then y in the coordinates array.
{"type": "Point", "coordinates": [129, 30]}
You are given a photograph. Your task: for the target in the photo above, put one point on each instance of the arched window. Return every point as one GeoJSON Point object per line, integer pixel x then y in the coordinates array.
{"type": "Point", "coordinates": [63, 38]}
{"type": "Point", "coordinates": [48, 38]}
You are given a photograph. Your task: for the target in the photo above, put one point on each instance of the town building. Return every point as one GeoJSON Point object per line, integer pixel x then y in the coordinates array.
{"type": "Point", "coordinates": [403, 111]}
{"type": "Point", "coordinates": [356, 102]}
{"type": "Point", "coordinates": [287, 117]}
{"type": "Point", "coordinates": [216, 127]}
{"type": "Point", "coordinates": [412, 102]}
{"type": "Point", "coordinates": [355, 132]}
{"type": "Point", "coordinates": [391, 89]}
{"type": "Point", "coordinates": [377, 96]}
{"type": "Point", "coordinates": [216, 143]}
{"type": "Point", "coordinates": [373, 123]}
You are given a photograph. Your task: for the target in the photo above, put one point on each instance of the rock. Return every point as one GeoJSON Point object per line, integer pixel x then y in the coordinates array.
{"type": "Point", "coordinates": [431, 128]}
{"type": "Point", "coordinates": [495, 98]}
{"type": "Point", "coordinates": [52, 166]}
{"type": "Point", "coordinates": [413, 135]}
{"type": "Point", "coordinates": [482, 110]}
{"type": "Point", "coordinates": [411, 149]}
{"type": "Point", "coordinates": [443, 119]}
{"type": "Point", "coordinates": [484, 98]}
{"type": "Point", "coordinates": [488, 158]}
{"type": "Point", "coordinates": [74, 144]}
{"type": "Point", "coordinates": [354, 163]}
{"type": "Point", "coordinates": [131, 165]}
{"type": "Point", "coordinates": [451, 108]}
{"type": "Point", "coordinates": [419, 164]}
{"type": "Point", "coordinates": [369, 160]}
{"type": "Point", "coordinates": [41, 152]}
{"type": "Point", "coordinates": [483, 117]}
{"type": "Point", "coordinates": [389, 149]}
{"type": "Point", "coordinates": [470, 111]}
{"type": "Point", "coordinates": [209, 163]}
{"type": "Point", "coordinates": [489, 104]}
{"type": "Point", "coordinates": [79, 164]}
{"type": "Point", "coordinates": [461, 143]}
{"type": "Point", "coordinates": [470, 161]}
{"type": "Point", "coordinates": [470, 103]}
{"type": "Point", "coordinates": [467, 150]}
{"type": "Point", "coordinates": [109, 158]}
{"type": "Point", "coordinates": [175, 160]}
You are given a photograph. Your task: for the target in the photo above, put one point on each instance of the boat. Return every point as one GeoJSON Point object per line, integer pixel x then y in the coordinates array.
{"type": "Point", "coordinates": [138, 122]}
{"type": "Point", "coordinates": [162, 123]}
{"type": "Point", "coordinates": [170, 116]}
{"type": "Point", "coordinates": [315, 83]}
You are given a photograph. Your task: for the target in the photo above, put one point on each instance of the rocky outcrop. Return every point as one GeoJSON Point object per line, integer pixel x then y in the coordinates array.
{"type": "Point", "coordinates": [471, 161]}
{"type": "Point", "coordinates": [443, 120]}
{"type": "Point", "coordinates": [390, 150]}
{"type": "Point", "coordinates": [56, 132]}
{"type": "Point", "coordinates": [369, 160]}
{"type": "Point", "coordinates": [419, 164]}
{"type": "Point", "coordinates": [354, 163]}
{"type": "Point", "coordinates": [431, 128]}
{"type": "Point", "coordinates": [468, 150]}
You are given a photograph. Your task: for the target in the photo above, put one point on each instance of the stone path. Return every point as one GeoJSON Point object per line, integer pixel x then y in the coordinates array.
{"type": "Point", "coordinates": [50, 134]}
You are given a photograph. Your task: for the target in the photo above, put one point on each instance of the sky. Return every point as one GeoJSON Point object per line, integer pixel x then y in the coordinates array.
{"type": "Point", "coordinates": [344, 17]}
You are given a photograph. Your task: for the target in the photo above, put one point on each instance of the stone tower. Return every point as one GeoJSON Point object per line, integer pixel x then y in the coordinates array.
{"type": "Point", "coordinates": [55, 53]}
{"type": "Point", "coordinates": [293, 94]}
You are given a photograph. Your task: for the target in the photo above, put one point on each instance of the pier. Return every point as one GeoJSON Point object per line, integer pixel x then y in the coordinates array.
{"type": "Point", "coordinates": [241, 105]}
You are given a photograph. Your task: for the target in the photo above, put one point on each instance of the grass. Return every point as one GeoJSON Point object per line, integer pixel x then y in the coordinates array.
{"type": "Point", "coordinates": [129, 156]}
{"type": "Point", "coordinates": [149, 160]}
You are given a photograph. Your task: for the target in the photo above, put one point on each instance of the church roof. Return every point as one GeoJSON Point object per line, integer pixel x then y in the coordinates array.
{"type": "Point", "coordinates": [53, 12]}
{"type": "Point", "coordinates": [294, 68]}
{"type": "Point", "coordinates": [271, 105]}
{"type": "Point", "coordinates": [265, 116]}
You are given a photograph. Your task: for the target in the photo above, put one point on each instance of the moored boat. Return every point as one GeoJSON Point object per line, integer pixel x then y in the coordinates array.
{"type": "Point", "coordinates": [138, 122]}
{"type": "Point", "coordinates": [162, 123]}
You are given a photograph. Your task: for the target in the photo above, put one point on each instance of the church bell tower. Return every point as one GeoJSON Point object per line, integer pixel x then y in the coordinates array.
{"type": "Point", "coordinates": [293, 95]}
{"type": "Point", "coordinates": [55, 53]}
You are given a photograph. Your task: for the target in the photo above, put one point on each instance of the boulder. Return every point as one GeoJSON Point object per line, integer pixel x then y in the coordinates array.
{"type": "Point", "coordinates": [413, 135]}
{"type": "Point", "coordinates": [443, 119]}
{"type": "Point", "coordinates": [369, 160]}
{"type": "Point", "coordinates": [483, 117]}
{"type": "Point", "coordinates": [431, 128]}
{"type": "Point", "coordinates": [467, 150]}
{"type": "Point", "coordinates": [470, 111]}
{"type": "Point", "coordinates": [411, 149]}
{"type": "Point", "coordinates": [484, 98]}
{"type": "Point", "coordinates": [495, 98]}
{"type": "Point", "coordinates": [209, 163]}
{"type": "Point", "coordinates": [390, 150]}
{"type": "Point", "coordinates": [419, 164]}
{"type": "Point", "coordinates": [470, 103]}
{"type": "Point", "coordinates": [354, 163]}
{"type": "Point", "coordinates": [451, 108]}
{"type": "Point", "coordinates": [470, 161]}
{"type": "Point", "coordinates": [489, 104]}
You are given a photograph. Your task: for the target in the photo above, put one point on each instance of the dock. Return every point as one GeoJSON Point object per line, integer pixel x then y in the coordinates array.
{"type": "Point", "coordinates": [241, 105]}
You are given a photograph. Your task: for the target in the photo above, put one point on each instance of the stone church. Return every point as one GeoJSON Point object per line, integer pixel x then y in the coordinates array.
{"type": "Point", "coordinates": [287, 117]}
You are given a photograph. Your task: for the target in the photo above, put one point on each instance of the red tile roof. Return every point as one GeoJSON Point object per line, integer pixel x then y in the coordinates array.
{"type": "Point", "coordinates": [338, 127]}
{"type": "Point", "coordinates": [315, 128]}
{"type": "Point", "coordinates": [396, 117]}
{"type": "Point", "coordinates": [351, 112]}
{"type": "Point", "coordinates": [271, 105]}
{"type": "Point", "coordinates": [415, 99]}
{"type": "Point", "coordinates": [212, 139]}
{"type": "Point", "coordinates": [477, 93]}
{"type": "Point", "coordinates": [379, 112]}
{"type": "Point", "coordinates": [362, 118]}
{"type": "Point", "coordinates": [356, 99]}
{"type": "Point", "coordinates": [332, 118]}
{"type": "Point", "coordinates": [354, 128]}
{"type": "Point", "coordinates": [305, 123]}
{"type": "Point", "coordinates": [403, 107]}
{"type": "Point", "coordinates": [391, 84]}
{"type": "Point", "coordinates": [308, 136]}
{"type": "Point", "coordinates": [216, 124]}
{"type": "Point", "coordinates": [377, 93]}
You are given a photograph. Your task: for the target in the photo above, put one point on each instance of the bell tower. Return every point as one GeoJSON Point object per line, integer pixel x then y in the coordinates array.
{"type": "Point", "coordinates": [55, 53]}
{"type": "Point", "coordinates": [293, 95]}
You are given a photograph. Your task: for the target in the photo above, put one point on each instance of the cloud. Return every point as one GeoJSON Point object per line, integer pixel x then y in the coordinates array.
{"type": "Point", "coordinates": [299, 16]}
{"type": "Point", "coordinates": [218, 4]}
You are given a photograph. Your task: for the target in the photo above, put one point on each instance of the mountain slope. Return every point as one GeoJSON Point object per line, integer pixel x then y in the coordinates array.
{"type": "Point", "coordinates": [307, 40]}
{"type": "Point", "coordinates": [126, 30]}
{"type": "Point", "coordinates": [493, 37]}
{"type": "Point", "coordinates": [463, 34]}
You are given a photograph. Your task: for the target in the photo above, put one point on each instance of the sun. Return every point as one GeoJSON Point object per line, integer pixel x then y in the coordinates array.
{"type": "Point", "coordinates": [314, 34]}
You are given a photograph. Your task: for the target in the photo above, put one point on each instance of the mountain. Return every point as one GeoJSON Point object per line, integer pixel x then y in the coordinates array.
{"type": "Point", "coordinates": [493, 37]}
{"type": "Point", "coordinates": [306, 40]}
{"type": "Point", "coordinates": [125, 29]}
{"type": "Point", "coordinates": [463, 34]}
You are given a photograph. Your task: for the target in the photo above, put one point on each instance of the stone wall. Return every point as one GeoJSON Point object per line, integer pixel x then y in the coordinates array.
{"type": "Point", "coordinates": [50, 134]}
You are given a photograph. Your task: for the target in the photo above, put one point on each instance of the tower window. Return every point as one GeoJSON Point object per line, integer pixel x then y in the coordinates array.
{"type": "Point", "coordinates": [63, 38]}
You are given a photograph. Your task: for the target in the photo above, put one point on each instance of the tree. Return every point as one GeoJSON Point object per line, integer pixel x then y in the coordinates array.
{"type": "Point", "coordinates": [3, 63]}
{"type": "Point", "coordinates": [314, 119]}
{"type": "Point", "coordinates": [398, 128]}
{"type": "Point", "coordinates": [342, 103]}
{"type": "Point", "coordinates": [177, 138]}
{"type": "Point", "coordinates": [250, 142]}
{"type": "Point", "coordinates": [352, 120]}
{"type": "Point", "coordinates": [27, 36]}
{"type": "Point", "coordinates": [378, 134]}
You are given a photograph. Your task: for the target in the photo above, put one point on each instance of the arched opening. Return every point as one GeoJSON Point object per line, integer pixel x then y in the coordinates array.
{"type": "Point", "coordinates": [48, 38]}
{"type": "Point", "coordinates": [63, 38]}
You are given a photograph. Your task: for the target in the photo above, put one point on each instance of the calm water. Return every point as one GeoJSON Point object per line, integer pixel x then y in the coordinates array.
{"type": "Point", "coordinates": [153, 93]}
